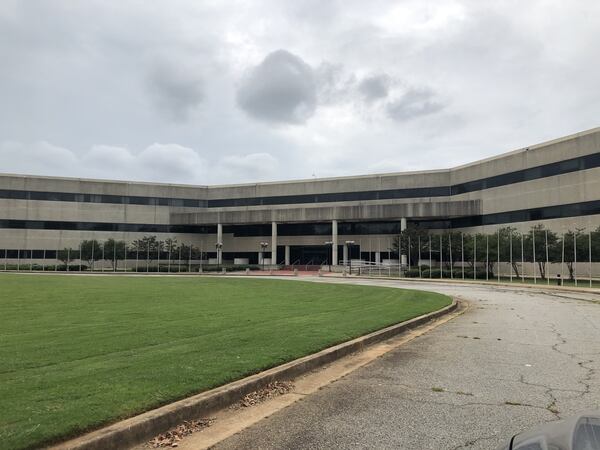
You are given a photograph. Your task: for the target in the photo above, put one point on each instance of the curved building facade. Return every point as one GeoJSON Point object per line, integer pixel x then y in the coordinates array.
{"type": "Point", "coordinates": [556, 183]}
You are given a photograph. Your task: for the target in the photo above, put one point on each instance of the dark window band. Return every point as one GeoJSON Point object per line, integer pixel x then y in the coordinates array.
{"type": "Point", "coordinates": [27, 254]}
{"type": "Point", "coordinates": [324, 228]}
{"type": "Point", "coordinates": [319, 229]}
{"type": "Point", "coordinates": [283, 229]}
{"type": "Point", "coordinates": [314, 229]}
{"type": "Point", "coordinates": [533, 173]}
{"type": "Point", "coordinates": [101, 198]}
{"type": "Point", "coordinates": [441, 191]}
{"type": "Point", "coordinates": [105, 226]}
{"type": "Point", "coordinates": [528, 215]}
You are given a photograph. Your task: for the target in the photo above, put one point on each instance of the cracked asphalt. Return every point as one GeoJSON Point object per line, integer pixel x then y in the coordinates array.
{"type": "Point", "coordinates": [514, 359]}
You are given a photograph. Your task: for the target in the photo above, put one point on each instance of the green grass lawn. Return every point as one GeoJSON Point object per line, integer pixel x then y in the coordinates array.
{"type": "Point", "coordinates": [77, 352]}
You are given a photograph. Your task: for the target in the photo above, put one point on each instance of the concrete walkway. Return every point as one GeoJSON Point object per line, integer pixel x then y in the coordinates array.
{"type": "Point", "coordinates": [514, 359]}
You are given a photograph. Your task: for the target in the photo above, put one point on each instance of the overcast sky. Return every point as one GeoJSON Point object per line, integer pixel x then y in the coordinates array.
{"type": "Point", "coordinates": [212, 92]}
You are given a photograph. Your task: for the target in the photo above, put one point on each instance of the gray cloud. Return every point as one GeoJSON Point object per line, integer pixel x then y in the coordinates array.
{"type": "Point", "coordinates": [375, 87]}
{"type": "Point", "coordinates": [371, 94]}
{"type": "Point", "coordinates": [177, 90]}
{"type": "Point", "coordinates": [280, 89]}
{"type": "Point", "coordinates": [334, 83]}
{"type": "Point", "coordinates": [414, 103]}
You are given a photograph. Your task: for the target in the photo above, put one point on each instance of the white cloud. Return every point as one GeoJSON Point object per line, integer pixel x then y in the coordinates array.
{"type": "Point", "coordinates": [158, 162]}
{"type": "Point", "coordinates": [38, 157]}
{"type": "Point", "coordinates": [247, 168]}
{"type": "Point", "coordinates": [171, 162]}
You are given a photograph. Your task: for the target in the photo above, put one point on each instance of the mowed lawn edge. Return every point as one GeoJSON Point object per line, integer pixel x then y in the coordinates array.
{"type": "Point", "coordinates": [80, 352]}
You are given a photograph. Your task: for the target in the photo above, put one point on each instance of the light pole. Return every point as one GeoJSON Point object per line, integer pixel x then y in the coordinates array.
{"type": "Point", "coordinates": [349, 245]}
{"type": "Point", "coordinates": [218, 246]}
{"type": "Point", "coordinates": [263, 248]}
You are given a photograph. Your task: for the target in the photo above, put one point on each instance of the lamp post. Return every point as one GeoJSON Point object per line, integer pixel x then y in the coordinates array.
{"type": "Point", "coordinates": [349, 245]}
{"type": "Point", "coordinates": [263, 248]}
{"type": "Point", "coordinates": [218, 247]}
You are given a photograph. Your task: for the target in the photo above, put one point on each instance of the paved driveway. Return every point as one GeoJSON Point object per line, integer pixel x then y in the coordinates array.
{"type": "Point", "coordinates": [515, 358]}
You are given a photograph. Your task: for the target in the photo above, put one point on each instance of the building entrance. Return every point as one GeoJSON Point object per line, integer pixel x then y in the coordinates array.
{"type": "Point", "coordinates": [318, 254]}
{"type": "Point", "coordinates": [310, 254]}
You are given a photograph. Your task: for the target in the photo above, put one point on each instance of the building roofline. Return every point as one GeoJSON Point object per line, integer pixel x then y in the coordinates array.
{"type": "Point", "coordinates": [529, 148]}
{"type": "Point", "coordinates": [103, 180]}
{"type": "Point", "coordinates": [305, 180]}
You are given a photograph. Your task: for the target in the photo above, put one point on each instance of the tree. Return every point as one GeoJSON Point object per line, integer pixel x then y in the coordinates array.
{"type": "Point", "coordinates": [515, 241]}
{"type": "Point", "coordinates": [147, 247]}
{"type": "Point", "coordinates": [474, 249]}
{"type": "Point", "coordinates": [91, 251]}
{"type": "Point", "coordinates": [196, 254]}
{"type": "Point", "coordinates": [452, 245]}
{"type": "Point", "coordinates": [66, 255]}
{"type": "Point", "coordinates": [596, 245]}
{"type": "Point", "coordinates": [536, 238]}
{"type": "Point", "coordinates": [495, 247]}
{"type": "Point", "coordinates": [114, 251]}
{"type": "Point", "coordinates": [571, 254]}
{"type": "Point", "coordinates": [412, 234]}
{"type": "Point", "coordinates": [508, 236]}
{"type": "Point", "coordinates": [171, 246]}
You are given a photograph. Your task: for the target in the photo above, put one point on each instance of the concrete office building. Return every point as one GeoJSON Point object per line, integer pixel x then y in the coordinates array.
{"type": "Point", "coordinates": [556, 183]}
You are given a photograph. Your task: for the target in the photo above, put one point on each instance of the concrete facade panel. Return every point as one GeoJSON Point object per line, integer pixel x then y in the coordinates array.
{"type": "Point", "coordinates": [74, 185]}
{"type": "Point", "coordinates": [574, 187]}
{"type": "Point", "coordinates": [83, 212]}
{"type": "Point", "coordinates": [558, 150]}
{"type": "Point", "coordinates": [363, 212]}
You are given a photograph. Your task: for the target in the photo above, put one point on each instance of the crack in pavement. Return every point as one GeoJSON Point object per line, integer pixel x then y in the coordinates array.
{"type": "Point", "coordinates": [470, 404]}
{"type": "Point", "coordinates": [472, 442]}
{"type": "Point", "coordinates": [552, 406]}
{"type": "Point", "coordinates": [549, 392]}
{"type": "Point", "coordinates": [581, 362]}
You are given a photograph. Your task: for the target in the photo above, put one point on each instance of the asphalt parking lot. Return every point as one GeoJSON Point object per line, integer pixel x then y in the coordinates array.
{"type": "Point", "coordinates": [514, 359]}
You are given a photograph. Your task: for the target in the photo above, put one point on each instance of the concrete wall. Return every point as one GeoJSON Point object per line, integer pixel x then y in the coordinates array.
{"type": "Point", "coordinates": [574, 187]}
{"type": "Point", "coordinates": [359, 212]}
{"type": "Point", "coordinates": [80, 185]}
{"type": "Point", "coordinates": [329, 185]}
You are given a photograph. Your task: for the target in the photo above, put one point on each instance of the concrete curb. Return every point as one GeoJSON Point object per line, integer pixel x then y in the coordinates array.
{"type": "Point", "coordinates": [540, 286]}
{"type": "Point", "coordinates": [133, 431]}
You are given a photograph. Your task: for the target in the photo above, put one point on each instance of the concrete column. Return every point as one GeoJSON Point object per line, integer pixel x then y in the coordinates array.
{"type": "Point", "coordinates": [287, 255]}
{"type": "Point", "coordinates": [273, 243]}
{"type": "Point", "coordinates": [403, 259]}
{"type": "Point", "coordinates": [403, 224]}
{"type": "Point", "coordinates": [260, 257]}
{"type": "Point", "coordinates": [220, 239]}
{"type": "Point", "coordinates": [345, 253]}
{"type": "Point", "coordinates": [334, 240]}
{"type": "Point", "coordinates": [377, 257]}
